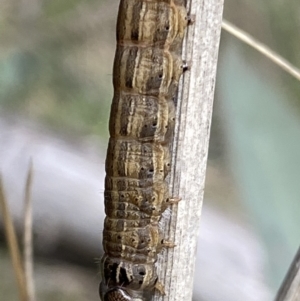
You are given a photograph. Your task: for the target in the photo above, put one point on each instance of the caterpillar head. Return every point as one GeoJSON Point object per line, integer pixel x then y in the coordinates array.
{"type": "Point", "coordinates": [116, 294]}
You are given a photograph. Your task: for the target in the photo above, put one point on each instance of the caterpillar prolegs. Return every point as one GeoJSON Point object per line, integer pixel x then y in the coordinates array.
{"type": "Point", "coordinates": [146, 73]}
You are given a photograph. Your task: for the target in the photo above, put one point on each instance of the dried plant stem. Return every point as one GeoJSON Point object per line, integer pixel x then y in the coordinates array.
{"type": "Point", "coordinates": [190, 149]}
{"type": "Point", "coordinates": [13, 245]}
{"type": "Point", "coordinates": [290, 288]}
{"type": "Point", "coordinates": [28, 245]}
{"type": "Point", "coordinates": [273, 56]}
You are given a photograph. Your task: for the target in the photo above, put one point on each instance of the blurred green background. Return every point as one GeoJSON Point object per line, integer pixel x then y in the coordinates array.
{"type": "Point", "coordinates": [56, 62]}
{"type": "Point", "coordinates": [56, 69]}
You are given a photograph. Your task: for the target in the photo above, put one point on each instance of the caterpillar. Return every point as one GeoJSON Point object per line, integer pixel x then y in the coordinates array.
{"type": "Point", "coordinates": [146, 73]}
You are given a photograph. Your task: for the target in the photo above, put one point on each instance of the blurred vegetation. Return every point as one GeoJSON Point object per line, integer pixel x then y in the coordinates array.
{"type": "Point", "coordinates": [258, 106]}
{"type": "Point", "coordinates": [7, 284]}
{"type": "Point", "coordinates": [55, 62]}
{"type": "Point", "coordinates": [54, 281]}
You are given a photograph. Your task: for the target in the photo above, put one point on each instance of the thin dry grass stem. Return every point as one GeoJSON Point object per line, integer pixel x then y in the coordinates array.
{"type": "Point", "coordinates": [28, 244]}
{"type": "Point", "coordinates": [13, 245]}
{"type": "Point", "coordinates": [290, 288]}
{"type": "Point", "coordinates": [273, 56]}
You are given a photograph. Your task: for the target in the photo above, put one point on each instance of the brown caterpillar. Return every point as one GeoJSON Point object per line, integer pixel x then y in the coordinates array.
{"type": "Point", "coordinates": [146, 74]}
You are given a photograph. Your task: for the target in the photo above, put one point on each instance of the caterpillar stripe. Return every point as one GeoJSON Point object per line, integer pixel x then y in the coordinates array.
{"type": "Point", "coordinates": [146, 73]}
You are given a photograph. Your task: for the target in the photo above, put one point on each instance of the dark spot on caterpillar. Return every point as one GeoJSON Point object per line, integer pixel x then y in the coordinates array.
{"type": "Point", "coordinates": [184, 66]}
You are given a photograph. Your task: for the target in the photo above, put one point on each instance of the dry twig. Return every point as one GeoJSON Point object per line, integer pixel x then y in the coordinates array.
{"type": "Point", "coordinates": [290, 288]}
{"type": "Point", "coordinates": [190, 149]}
{"type": "Point", "coordinates": [28, 244]}
{"type": "Point", "coordinates": [13, 245]}
{"type": "Point", "coordinates": [272, 55]}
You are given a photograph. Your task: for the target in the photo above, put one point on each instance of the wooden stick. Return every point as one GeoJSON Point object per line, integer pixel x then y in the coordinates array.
{"type": "Point", "coordinates": [28, 244]}
{"type": "Point", "coordinates": [13, 245]}
{"type": "Point", "coordinates": [290, 288]}
{"type": "Point", "coordinates": [190, 149]}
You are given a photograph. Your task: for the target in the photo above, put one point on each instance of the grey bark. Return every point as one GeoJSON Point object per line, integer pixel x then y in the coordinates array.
{"type": "Point", "coordinates": [200, 50]}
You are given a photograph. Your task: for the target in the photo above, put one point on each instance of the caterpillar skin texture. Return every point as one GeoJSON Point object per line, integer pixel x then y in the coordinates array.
{"type": "Point", "coordinates": [146, 73]}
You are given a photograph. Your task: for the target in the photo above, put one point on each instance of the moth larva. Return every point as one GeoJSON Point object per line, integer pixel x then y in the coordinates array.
{"type": "Point", "coordinates": [146, 73]}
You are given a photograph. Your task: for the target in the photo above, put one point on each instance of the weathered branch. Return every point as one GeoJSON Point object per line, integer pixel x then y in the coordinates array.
{"type": "Point", "coordinates": [190, 149]}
